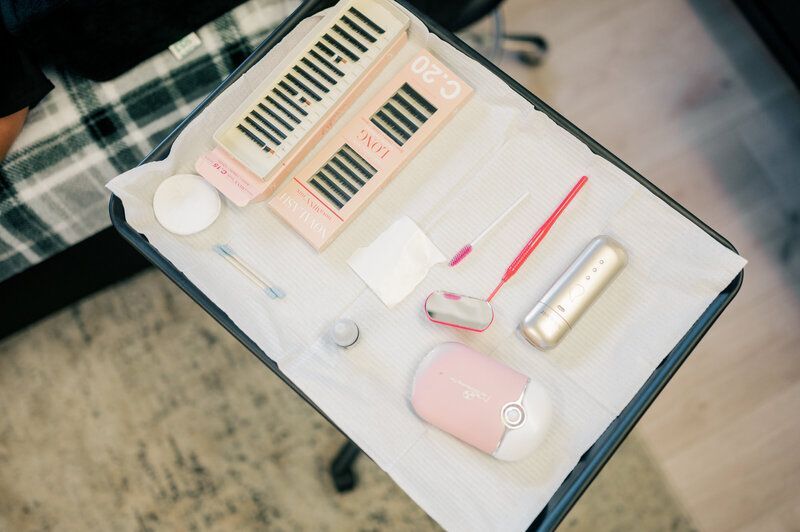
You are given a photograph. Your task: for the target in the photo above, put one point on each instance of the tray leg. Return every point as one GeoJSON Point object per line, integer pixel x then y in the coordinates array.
{"type": "Point", "coordinates": [344, 477]}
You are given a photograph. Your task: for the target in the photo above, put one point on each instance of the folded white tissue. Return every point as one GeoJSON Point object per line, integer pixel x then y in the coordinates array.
{"type": "Point", "coordinates": [397, 261]}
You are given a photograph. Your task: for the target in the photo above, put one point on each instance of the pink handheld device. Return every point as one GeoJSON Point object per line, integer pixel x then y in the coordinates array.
{"type": "Point", "coordinates": [481, 401]}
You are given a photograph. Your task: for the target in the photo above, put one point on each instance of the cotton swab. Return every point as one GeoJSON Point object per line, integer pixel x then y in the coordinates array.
{"type": "Point", "coordinates": [226, 252]}
{"type": "Point", "coordinates": [466, 250]}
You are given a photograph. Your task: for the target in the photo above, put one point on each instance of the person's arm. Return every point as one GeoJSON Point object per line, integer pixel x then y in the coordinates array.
{"type": "Point", "coordinates": [22, 87]}
{"type": "Point", "coordinates": [10, 126]}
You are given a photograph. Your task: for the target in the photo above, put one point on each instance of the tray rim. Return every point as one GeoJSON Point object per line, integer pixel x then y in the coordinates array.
{"type": "Point", "coordinates": [595, 458]}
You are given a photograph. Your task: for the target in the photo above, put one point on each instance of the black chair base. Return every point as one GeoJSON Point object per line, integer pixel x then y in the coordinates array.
{"type": "Point", "coordinates": [344, 476]}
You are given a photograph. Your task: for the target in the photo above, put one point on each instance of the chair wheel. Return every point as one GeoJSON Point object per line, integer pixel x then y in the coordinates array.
{"type": "Point", "coordinates": [344, 481]}
{"type": "Point", "coordinates": [342, 467]}
{"type": "Point", "coordinates": [529, 50]}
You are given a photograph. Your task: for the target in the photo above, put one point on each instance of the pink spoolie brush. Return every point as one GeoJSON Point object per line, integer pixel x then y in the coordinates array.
{"type": "Point", "coordinates": [466, 250]}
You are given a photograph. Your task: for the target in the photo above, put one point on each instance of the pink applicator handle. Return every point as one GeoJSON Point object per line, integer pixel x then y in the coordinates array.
{"type": "Point", "coordinates": [537, 237]}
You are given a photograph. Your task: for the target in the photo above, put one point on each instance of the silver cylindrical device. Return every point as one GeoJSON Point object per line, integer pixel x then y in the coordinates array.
{"type": "Point", "coordinates": [574, 292]}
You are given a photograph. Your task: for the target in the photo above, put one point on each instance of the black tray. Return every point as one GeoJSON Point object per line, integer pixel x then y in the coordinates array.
{"type": "Point", "coordinates": [598, 454]}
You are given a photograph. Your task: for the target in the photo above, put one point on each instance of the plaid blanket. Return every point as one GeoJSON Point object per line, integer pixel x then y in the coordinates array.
{"type": "Point", "coordinates": [52, 183]}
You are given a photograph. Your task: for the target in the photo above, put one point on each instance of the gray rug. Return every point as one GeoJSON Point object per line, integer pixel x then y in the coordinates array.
{"type": "Point", "coordinates": [133, 410]}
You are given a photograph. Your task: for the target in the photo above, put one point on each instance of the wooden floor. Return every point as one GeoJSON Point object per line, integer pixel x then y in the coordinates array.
{"type": "Point", "coordinates": [686, 93]}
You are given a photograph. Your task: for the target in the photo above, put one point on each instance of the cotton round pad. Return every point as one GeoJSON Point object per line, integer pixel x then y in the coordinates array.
{"type": "Point", "coordinates": [185, 204]}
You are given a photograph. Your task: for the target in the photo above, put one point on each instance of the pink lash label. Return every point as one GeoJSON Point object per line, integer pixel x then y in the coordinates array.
{"type": "Point", "coordinates": [331, 189]}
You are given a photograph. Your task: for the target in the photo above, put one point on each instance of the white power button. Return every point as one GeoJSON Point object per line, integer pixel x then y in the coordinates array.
{"type": "Point", "coordinates": [575, 292]}
{"type": "Point", "coordinates": [513, 415]}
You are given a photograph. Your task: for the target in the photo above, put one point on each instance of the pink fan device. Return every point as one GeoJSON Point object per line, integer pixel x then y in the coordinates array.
{"type": "Point", "coordinates": [481, 401]}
